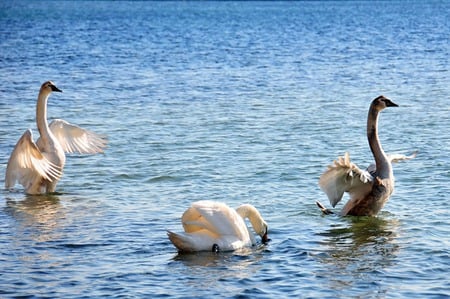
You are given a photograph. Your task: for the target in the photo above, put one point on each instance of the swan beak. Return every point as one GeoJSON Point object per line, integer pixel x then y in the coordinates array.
{"type": "Point", "coordinates": [54, 88]}
{"type": "Point", "coordinates": [389, 103]}
{"type": "Point", "coordinates": [265, 238]}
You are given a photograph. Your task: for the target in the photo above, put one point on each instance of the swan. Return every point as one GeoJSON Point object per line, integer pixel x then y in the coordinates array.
{"type": "Point", "coordinates": [214, 226]}
{"type": "Point", "coordinates": [38, 166]}
{"type": "Point", "coordinates": [369, 189]}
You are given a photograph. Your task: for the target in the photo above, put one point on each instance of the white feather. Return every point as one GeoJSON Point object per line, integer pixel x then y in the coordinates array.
{"type": "Point", "coordinates": [38, 166]}
{"type": "Point", "coordinates": [207, 223]}
{"type": "Point", "coordinates": [75, 139]}
{"type": "Point", "coordinates": [27, 163]}
{"type": "Point", "coordinates": [344, 176]}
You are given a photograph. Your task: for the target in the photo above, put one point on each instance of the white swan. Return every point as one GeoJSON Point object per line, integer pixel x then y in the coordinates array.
{"type": "Point", "coordinates": [213, 226]}
{"type": "Point", "coordinates": [38, 166]}
{"type": "Point", "coordinates": [369, 189]}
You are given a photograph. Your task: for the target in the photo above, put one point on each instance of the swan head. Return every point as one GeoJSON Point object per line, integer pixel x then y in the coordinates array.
{"type": "Point", "coordinates": [258, 223]}
{"type": "Point", "coordinates": [382, 102]}
{"type": "Point", "coordinates": [49, 87]}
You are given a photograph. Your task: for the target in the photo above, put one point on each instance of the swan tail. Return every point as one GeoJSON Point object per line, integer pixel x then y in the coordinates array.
{"type": "Point", "coordinates": [324, 209]}
{"type": "Point", "coordinates": [182, 242]}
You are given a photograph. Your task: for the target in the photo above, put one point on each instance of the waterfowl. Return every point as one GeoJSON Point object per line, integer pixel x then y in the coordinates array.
{"type": "Point", "coordinates": [38, 166]}
{"type": "Point", "coordinates": [214, 226]}
{"type": "Point", "coordinates": [369, 189]}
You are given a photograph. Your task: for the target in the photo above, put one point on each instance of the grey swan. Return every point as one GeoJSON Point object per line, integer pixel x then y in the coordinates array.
{"type": "Point", "coordinates": [369, 189]}
{"type": "Point", "coordinates": [38, 166]}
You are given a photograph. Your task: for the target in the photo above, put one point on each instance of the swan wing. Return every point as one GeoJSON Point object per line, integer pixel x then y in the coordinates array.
{"type": "Point", "coordinates": [27, 163]}
{"type": "Point", "coordinates": [393, 158]}
{"type": "Point", "coordinates": [344, 176]}
{"type": "Point", "coordinates": [75, 139]}
{"type": "Point", "coordinates": [216, 218]}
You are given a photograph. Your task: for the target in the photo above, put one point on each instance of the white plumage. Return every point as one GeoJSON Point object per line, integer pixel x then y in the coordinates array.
{"type": "Point", "coordinates": [210, 226]}
{"type": "Point", "coordinates": [38, 166]}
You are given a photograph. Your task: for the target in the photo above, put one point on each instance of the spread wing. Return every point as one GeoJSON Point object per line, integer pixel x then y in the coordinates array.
{"type": "Point", "coordinates": [215, 217]}
{"type": "Point", "coordinates": [344, 176]}
{"type": "Point", "coordinates": [27, 163]}
{"type": "Point", "coordinates": [75, 139]}
{"type": "Point", "coordinates": [393, 158]}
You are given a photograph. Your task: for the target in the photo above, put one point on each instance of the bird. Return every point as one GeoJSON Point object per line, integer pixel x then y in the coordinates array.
{"type": "Point", "coordinates": [214, 226]}
{"type": "Point", "coordinates": [38, 166]}
{"type": "Point", "coordinates": [371, 188]}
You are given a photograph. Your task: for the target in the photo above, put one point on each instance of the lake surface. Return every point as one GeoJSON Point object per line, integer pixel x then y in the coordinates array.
{"type": "Point", "coordinates": [240, 102]}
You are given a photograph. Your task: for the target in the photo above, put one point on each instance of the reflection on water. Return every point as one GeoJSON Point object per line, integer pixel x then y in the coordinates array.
{"type": "Point", "coordinates": [206, 259]}
{"type": "Point", "coordinates": [357, 246]}
{"type": "Point", "coordinates": [36, 215]}
{"type": "Point", "coordinates": [212, 270]}
{"type": "Point", "coordinates": [201, 259]}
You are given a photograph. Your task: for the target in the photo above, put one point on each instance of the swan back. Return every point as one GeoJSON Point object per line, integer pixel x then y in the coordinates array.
{"type": "Point", "coordinates": [215, 217]}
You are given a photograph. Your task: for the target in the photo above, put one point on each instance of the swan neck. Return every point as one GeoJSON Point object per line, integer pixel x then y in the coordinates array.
{"type": "Point", "coordinates": [250, 212]}
{"type": "Point", "coordinates": [41, 115]}
{"type": "Point", "coordinates": [381, 160]}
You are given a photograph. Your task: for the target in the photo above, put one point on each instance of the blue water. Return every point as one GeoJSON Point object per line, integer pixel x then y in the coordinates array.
{"type": "Point", "coordinates": [240, 102]}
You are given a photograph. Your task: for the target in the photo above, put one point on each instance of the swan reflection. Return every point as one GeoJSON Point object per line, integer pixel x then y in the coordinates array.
{"type": "Point", "coordinates": [211, 270]}
{"type": "Point", "coordinates": [356, 246]}
{"type": "Point", "coordinates": [234, 259]}
{"type": "Point", "coordinates": [37, 215]}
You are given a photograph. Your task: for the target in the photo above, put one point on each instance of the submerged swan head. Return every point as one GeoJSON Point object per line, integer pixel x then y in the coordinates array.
{"type": "Point", "coordinates": [382, 102]}
{"type": "Point", "coordinates": [258, 223]}
{"type": "Point", "coordinates": [48, 87]}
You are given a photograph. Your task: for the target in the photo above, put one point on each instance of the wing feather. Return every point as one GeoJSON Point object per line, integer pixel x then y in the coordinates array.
{"type": "Point", "coordinates": [216, 217]}
{"type": "Point", "coordinates": [27, 163]}
{"type": "Point", "coordinates": [393, 158]}
{"type": "Point", "coordinates": [75, 139]}
{"type": "Point", "coordinates": [344, 176]}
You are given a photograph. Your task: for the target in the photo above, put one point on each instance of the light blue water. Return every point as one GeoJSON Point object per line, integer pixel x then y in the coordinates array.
{"type": "Point", "coordinates": [241, 102]}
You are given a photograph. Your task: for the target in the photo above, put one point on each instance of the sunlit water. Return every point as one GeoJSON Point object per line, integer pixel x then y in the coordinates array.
{"type": "Point", "coordinates": [241, 102]}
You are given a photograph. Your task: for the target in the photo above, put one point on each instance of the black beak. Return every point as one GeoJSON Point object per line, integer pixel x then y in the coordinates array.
{"type": "Point", "coordinates": [389, 103]}
{"type": "Point", "coordinates": [265, 238]}
{"type": "Point", "coordinates": [54, 88]}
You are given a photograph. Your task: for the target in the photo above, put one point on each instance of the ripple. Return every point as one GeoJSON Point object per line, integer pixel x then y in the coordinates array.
{"type": "Point", "coordinates": [162, 178]}
{"type": "Point", "coordinates": [82, 246]}
{"type": "Point", "coordinates": [232, 101]}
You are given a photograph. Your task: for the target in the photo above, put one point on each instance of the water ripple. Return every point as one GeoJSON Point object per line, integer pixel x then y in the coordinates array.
{"type": "Point", "coordinates": [232, 101]}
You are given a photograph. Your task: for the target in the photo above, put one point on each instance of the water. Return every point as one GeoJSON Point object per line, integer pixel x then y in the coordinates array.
{"type": "Point", "coordinates": [241, 102]}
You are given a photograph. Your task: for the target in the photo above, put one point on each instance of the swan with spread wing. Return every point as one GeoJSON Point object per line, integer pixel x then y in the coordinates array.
{"type": "Point", "coordinates": [369, 189]}
{"type": "Point", "coordinates": [38, 166]}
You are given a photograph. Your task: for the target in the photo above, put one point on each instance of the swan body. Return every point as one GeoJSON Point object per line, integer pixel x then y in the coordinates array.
{"type": "Point", "coordinates": [369, 189]}
{"type": "Point", "coordinates": [213, 226]}
{"type": "Point", "coordinates": [38, 166]}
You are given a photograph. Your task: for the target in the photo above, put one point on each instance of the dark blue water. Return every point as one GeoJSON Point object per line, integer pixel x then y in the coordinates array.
{"type": "Point", "coordinates": [240, 102]}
